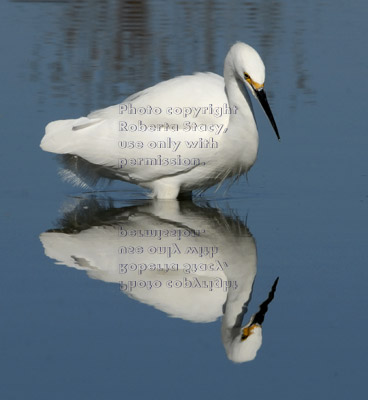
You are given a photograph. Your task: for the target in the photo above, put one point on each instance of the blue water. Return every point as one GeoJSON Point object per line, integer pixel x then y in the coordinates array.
{"type": "Point", "coordinates": [68, 330]}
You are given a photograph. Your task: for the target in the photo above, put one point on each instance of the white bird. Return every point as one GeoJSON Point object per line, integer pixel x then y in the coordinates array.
{"type": "Point", "coordinates": [184, 134]}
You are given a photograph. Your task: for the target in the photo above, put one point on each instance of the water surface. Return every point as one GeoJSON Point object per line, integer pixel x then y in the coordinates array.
{"type": "Point", "coordinates": [69, 329]}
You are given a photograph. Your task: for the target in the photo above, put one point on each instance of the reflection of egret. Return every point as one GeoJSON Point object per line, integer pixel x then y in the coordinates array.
{"type": "Point", "coordinates": [184, 134]}
{"type": "Point", "coordinates": [189, 261]}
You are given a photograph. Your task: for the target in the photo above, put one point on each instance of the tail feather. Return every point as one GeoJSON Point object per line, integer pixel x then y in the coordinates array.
{"type": "Point", "coordinates": [64, 135]}
{"type": "Point", "coordinates": [66, 138]}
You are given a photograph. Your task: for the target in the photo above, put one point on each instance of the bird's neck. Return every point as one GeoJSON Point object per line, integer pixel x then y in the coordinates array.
{"type": "Point", "coordinates": [242, 126]}
{"type": "Point", "coordinates": [237, 94]}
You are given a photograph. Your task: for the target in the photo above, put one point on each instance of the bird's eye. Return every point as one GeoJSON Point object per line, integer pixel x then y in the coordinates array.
{"type": "Point", "coordinates": [246, 76]}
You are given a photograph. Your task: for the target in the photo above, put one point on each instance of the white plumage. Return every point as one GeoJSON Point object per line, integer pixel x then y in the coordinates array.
{"type": "Point", "coordinates": [180, 135]}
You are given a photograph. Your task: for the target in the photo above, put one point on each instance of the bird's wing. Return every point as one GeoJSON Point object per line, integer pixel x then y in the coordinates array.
{"type": "Point", "coordinates": [200, 90]}
{"type": "Point", "coordinates": [167, 147]}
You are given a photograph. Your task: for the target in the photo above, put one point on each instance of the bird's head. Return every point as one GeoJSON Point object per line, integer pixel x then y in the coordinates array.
{"type": "Point", "coordinates": [249, 69]}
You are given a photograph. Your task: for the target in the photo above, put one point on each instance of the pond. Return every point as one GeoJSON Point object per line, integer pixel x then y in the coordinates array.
{"type": "Point", "coordinates": [106, 293]}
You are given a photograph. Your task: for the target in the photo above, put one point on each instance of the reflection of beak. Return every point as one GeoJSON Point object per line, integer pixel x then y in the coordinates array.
{"type": "Point", "coordinates": [258, 318]}
{"type": "Point", "coordinates": [261, 95]}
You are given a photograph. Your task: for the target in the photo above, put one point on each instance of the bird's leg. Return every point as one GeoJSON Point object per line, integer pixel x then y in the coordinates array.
{"type": "Point", "coordinates": [164, 190]}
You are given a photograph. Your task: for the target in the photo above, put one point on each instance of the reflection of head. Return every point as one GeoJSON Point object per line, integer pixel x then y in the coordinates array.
{"type": "Point", "coordinates": [242, 343]}
{"type": "Point", "coordinates": [241, 351]}
{"type": "Point", "coordinates": [201, 259]}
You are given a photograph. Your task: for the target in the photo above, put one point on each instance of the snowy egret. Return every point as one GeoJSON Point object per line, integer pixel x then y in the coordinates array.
{"type": "Point", "coordinates": [184, 134]}
{"type": "Point", "coordinates": [188, 261]}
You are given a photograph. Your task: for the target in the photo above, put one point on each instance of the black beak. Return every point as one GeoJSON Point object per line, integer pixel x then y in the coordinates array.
{"type": "Point", "coordinates": [261, 95]}
{"type": "Point", "coordinates": [263, 308]}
